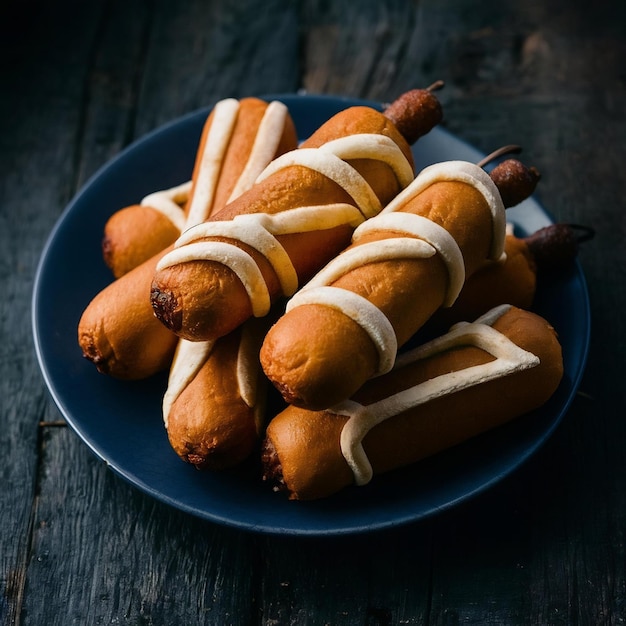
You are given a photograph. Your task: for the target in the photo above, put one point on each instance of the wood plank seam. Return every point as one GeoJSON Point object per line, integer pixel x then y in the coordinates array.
{"type": "Point", "coordinates": [19, 578]}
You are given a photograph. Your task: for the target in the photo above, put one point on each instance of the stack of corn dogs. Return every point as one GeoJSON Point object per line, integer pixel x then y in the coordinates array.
{"type": "Point", "coordinates": [308, 267]}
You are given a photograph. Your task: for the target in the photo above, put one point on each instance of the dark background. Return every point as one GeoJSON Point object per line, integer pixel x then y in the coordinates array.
{"type": "Point", "coordinates": [79, 81]}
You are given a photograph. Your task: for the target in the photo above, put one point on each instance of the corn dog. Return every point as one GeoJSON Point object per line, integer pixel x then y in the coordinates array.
{"type": "Point", "coordinates": [137, 232]}
{"type": "Point", "coordinates": [214, 406]}
{"type": "Point", "coordinates": [118, 331]}
{"type": "Point", "coordinates": [346, 324]}
{"type": "Point", "coordinates": [476, 377]}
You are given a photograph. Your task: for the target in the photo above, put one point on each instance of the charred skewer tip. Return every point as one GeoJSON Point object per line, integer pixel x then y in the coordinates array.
{"type": "Point", "coordinates": [515, 181]}
{"type": "Point", "coordinates": [416, 112]}
{"type": "Point", "coordinates": [555, 247]}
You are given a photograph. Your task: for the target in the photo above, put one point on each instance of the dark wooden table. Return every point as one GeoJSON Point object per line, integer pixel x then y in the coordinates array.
{"type": "Point", "coordinates": [81, 80]}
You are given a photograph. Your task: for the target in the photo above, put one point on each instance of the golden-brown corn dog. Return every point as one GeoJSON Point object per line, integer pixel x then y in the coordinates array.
{"type": "Point", "coordinates": [137, 232]}
{"type": "Point", "coordinates": [300, 213]}
{"type": "Point", "coordinates": [229, 149]}
{"type": "Point", "coordinates": [346, 324]}
{"type": "Point", "coordinates": [118, 333]}
{"type": "Point", "coordinates": [118, 330]}
{"type": "Point", "coordinates": [478, 376]}
{"type": "Point", "coordinates": [510, 279]}
{"type": "Point", "coordinates": [513, 278]}
{"type": "Point", "coordinates": [214, 407]}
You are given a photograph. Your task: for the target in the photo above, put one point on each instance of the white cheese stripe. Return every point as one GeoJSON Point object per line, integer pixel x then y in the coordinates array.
{"type": "Point", "coordinates": [360, 310]}
{"type": "Point", "coordinates": [268, 137]}
{"type": "Point", "coordinates": [372, 252]}
{"type": "Point", "coordinates": [423, 228]}
{"type": "Point", "coordinates": [332, 167]}
{"type": "Point", "coordinates": [461, 171]}
{"type": "Point", "coordinates": [312, 217]}
{"type": "Point", "coordinates": [509, 358]}
{"type": "Point", "coordinates": [236, 259]}
{"type": "Point", "coordinates": [248, 365]}
{"type": "Point", "coordinates": [377, 147]}
{"type": "Point", "coordinates": [488, 318]}
{"type": "Point", "coordinates": [225, 114]}
{"type": "Point", "coordinates": [372, 320]}
{"type": "Point", "coordinates": [169, 202]}
{"type": "Point", "coordinates": [259, 231]}
{"type": "Point", "coordinates": [190, 356]}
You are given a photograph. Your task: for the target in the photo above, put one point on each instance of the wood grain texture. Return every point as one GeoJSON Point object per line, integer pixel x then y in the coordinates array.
{"type": "Point", "coordinates": [105, 553]}
{"type": "Point", "coordinates": [201, 52]}
{"type": "Point", "coordinates": [82, 80]}
{"type": "Point", "coordinates": [372, 579]}
{"type": "Point", "coordinates": [39, 124]}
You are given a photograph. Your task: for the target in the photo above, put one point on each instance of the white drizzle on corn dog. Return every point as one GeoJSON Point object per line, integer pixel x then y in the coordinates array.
{"type": "Point", "coordinates": [264, 149]}
{"type": "Point", "coordinates": [190, 356]}
{"type": "Point", "coordinates": [170, 203]}
{"type": "Point", "coordinates": [424, 238]}
{"type": "Point", "coordinates": [259, 230]}
{"type": "Point", "coordinates": [265, 144]}
{"type": "Point", "coordinates": [509, 358]}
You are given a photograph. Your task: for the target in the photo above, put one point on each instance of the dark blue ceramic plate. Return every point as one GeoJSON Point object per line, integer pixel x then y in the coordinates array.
{"type": "Point", "coordinates": [121, 421]}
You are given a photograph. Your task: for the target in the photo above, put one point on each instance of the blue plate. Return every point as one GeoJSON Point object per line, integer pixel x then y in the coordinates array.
{"type": "Point", "coordinates": [121, 421]}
